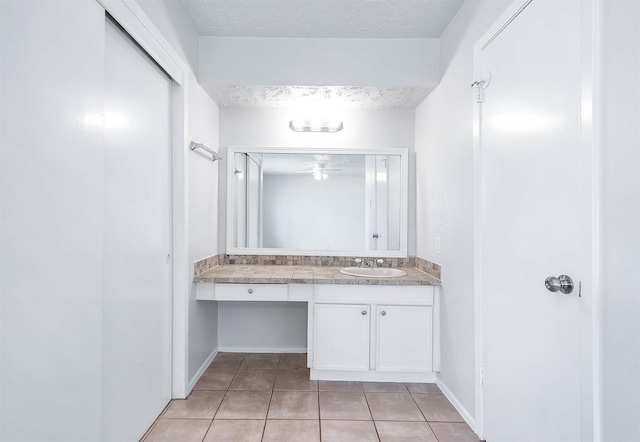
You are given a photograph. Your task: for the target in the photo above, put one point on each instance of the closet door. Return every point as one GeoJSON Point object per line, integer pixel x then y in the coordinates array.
{"type": "Point", "coordinates": [137, 221]}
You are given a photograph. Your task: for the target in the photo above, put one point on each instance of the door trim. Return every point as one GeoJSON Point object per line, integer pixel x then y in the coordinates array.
{"type": "Point", "coordinates": [589, 216]}
{"type": "Point", "coordinates": [133, 19]}
{"type": "Point", "coordinates": [130, 16]}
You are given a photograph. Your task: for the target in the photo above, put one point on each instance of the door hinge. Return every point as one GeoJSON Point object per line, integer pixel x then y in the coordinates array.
{"type": "Point", "coordinates": [579, 289]}
{"type": "Point", "coordinates": [481, 376]}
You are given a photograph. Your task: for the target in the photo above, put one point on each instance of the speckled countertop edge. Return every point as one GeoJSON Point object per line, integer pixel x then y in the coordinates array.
{"type": "Point", "coordinates": [284, 274]}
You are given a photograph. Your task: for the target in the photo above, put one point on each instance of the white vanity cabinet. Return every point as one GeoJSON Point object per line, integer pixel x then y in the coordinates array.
{"type": "Point", "coordinates": [404, 338]}
{"type": "Point", "coordinates": [374, 333]}
{"type": "Point", "coordinates": [342, 333]}
{"type": "Point", "coordinates": [356, 332]}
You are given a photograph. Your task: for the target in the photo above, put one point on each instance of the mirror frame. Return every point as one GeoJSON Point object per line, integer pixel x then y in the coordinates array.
{"type": "Point", "coordinates": [404, 198]}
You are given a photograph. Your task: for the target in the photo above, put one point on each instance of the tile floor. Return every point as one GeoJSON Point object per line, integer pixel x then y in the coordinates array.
{"type": "Point", "coordinates": [269, 397]}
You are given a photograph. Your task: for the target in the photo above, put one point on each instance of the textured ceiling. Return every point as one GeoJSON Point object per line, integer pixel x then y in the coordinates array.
{"type": "Point", "coordinates": [321, 18]}
{"type": "Point", "coordinates": [368, 97]}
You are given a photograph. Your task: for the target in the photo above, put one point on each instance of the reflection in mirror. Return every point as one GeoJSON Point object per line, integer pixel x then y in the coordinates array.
{"type": "Point", "coordinates": [248, 173]}
{"type": "Point", "coordinates": [317, 201]}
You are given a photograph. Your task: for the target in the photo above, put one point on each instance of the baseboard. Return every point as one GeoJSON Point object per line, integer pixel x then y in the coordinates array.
{"type": "Point", "coordinates": [201, 370]}
{"type": "Point", "coordinates": [263, 349]}
{"type": "Point", "coordinates": [372, 376]}
{"type": "Point", "coordinates": [457, 405]}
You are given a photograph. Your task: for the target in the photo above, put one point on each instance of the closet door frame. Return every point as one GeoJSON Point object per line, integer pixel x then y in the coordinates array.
{"type": "Point", "coordinates": [135, 22]}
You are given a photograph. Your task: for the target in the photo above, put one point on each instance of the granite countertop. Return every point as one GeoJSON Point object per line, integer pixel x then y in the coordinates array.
{"type": "Point", "coordinates": [284, 274]}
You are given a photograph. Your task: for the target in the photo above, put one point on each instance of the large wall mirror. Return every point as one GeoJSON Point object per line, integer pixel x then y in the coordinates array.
{"type": "Point", "coordinates": [345, 202]}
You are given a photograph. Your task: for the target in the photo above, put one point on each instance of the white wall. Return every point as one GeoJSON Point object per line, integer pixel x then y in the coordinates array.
{"type": "Point", "coordinates": [203, 223]}
{"type": "Point", "coordinates": [397, 62]}
{"type": "Point", "coordinates": [301, 212]}
{"type": "Point", "coordinates": [203, 127]}
{"type": "Point", "coordinates": [51, 179]}
{"type": "Point", "coordinates": [618, 127]}
{"type": "Point", "coordinates": [444, 169]}
{"type": "Point", "coordinates": [263, 326]}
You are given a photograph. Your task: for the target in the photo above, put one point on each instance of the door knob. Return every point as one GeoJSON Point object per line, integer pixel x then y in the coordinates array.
{"type": "Point", "coordinates": [364, 312]}
{"type": "Point", "coordinates": [562, 283]}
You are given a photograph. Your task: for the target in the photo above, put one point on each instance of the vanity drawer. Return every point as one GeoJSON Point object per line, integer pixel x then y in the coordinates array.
{"type": "Point", "coordinates": [375, 294]}
{"type": "Point", "coordinates": [251, 292]}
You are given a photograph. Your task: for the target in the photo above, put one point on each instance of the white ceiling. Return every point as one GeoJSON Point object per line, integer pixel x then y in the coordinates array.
{"type": "Point", "coordinates": [321, 18]}
{"type": "Point", "coordinates": [341, 97]}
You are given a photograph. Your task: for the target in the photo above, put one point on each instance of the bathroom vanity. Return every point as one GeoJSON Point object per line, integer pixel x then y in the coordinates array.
{"type": "Point", "coordinates": [353, 202]}
{"type": "Point", "coordinates": [359, 328]}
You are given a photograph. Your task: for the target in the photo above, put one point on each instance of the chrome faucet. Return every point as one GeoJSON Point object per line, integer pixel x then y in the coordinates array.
{"type": "Point", "coordinates": [369, 262]}
{"type": "Point", "coordinates": [364, 263]}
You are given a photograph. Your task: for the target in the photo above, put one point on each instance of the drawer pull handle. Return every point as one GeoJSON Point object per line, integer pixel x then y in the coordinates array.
{"type": "Point", "coordinates": [250, 291]}
{"type": "Point", "coordinates": [364, 312]}
{"type": "Point", "coordinates": [383, 313]}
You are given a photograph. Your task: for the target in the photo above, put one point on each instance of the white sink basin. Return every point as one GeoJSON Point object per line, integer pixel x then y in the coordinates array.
{"type": "Point", "coordinates": [377, 272]}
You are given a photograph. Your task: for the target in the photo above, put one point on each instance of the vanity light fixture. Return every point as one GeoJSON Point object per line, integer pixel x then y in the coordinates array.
{"type": "Point", "coordinates": [315, 125]}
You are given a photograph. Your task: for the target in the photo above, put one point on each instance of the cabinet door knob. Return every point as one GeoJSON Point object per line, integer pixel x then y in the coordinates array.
{"type": "Point", "coordinates": [364, 312]}
{"type": "Point", "coordinates": [383, 313]}
{"type": "Point", "coordinates": [250, 291]}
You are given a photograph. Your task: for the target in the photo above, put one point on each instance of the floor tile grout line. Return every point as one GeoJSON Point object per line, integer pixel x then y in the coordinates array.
{"type": "Point", "coordinates": [221, 400]}
{"type": "Point", "coordinates": [186, 418]}
{"type": "Point", "coordinates": [366, 399]}
{"type": "Point", "coordinates": [319, 415]}
{"type": "Point", "coordinates": [279, 366]}
{"type": "Point", "coordinates": [375, 427]}
{"type": "Point", "coordinates": [145, 436]}
{"type": "Point", "coordinates": [437, 421]}
{"type": "Point", "coordinates": [425, 417]}
{"type": "Point", "coordinates": [220, 405]}
{"type": "Point", "coordinates": [266, 416]}
{"type": "Point", "coordinates": [209, 427]}
{"type": "Point", "coordinates": [353, 419]}
{"type": "Point", "coordinates": [419, 409]}
{"type": "Point", "coordinates": [434, 433]}
{"type": "Point", "coordinates": [448, 422]}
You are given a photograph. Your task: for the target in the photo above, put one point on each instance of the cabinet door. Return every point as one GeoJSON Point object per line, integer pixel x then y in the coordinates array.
{"type": "Point", "coordinates": [341, 336]}
{"type": "Point", "coordinates": [404, 338]}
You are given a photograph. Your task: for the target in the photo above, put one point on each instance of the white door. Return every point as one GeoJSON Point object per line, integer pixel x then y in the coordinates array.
{"type": "Point", "coordinates": [382, 202]}
{"type": "Point", "coordinates": [341, 337]}
{"type": "Point", "coordinates": [137, 279]}
{"type": "Point", "coordinates": [404, 338]}
{"type": "Point", "coordinates": [377, 202]}
{"type": "Point", "coordinates": [530, 205]}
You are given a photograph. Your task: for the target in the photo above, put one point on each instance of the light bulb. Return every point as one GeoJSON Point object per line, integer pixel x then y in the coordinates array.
{"type": "Point", "coordinates": [315, 125]}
